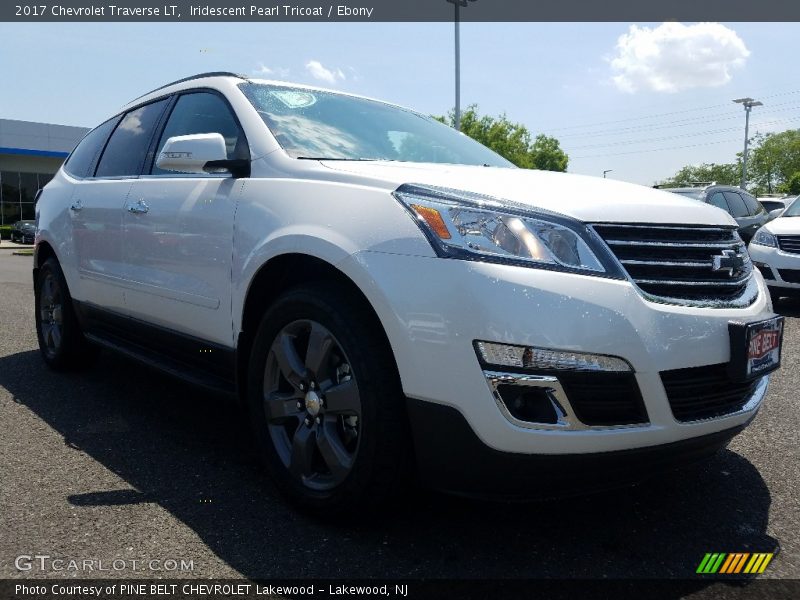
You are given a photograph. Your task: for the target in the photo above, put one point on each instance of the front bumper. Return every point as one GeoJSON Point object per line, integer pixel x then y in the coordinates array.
{"type": "Point", "coordinates": [434, 309]}
{"type": "Point", "coordinates": [458, 462]}
{"type": "Point", "coordinates": [776, 265]}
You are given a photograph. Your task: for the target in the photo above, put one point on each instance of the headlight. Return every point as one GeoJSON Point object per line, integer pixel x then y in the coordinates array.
{"type": "Point", "coordinates": [764, 238]}
{"type": "Point", "coordinates": [473, 227]}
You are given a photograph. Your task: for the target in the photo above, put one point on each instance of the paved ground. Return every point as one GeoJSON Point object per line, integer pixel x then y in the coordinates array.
{"type": "Point", "coordinates": [122, 463]}
{"type": "Point", "coordinates": [8, 245]}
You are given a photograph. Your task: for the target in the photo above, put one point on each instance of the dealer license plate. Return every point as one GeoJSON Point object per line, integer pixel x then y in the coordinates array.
{"type": "Point", "coordinates": [755, 348]}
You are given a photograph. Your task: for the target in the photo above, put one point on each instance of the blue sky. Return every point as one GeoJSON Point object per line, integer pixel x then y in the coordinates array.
{"type": "Point", "coordinates": [642, 101]}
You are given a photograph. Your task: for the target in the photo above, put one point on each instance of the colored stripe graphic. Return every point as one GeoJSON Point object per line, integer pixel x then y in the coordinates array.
{"type": "Point", "coordinates": [711, 562]}
{"type": "Point", "coordinates": [758, 563]}
{"type": "Point", "coordinates": [734, 563]}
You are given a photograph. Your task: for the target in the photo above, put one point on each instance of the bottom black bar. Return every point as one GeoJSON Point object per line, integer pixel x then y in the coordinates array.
{"type": "Point", "coordinates": [209, 589]}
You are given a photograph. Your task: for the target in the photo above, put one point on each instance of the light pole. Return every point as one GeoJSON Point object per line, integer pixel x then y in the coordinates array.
{"type": "Point", "coordinates": [748, 104]}
{"type": "Point", "coordinates": [457, 4]}
{"type": "Point", "coordinates": [606, 171]}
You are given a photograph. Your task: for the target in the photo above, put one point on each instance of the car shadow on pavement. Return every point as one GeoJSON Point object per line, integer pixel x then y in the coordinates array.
{"type": "Point", "coordinates": [189, 452]}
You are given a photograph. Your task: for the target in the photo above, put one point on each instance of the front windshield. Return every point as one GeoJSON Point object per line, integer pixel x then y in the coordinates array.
{"type": "Point", "coordinates": [793, 210]}
{"type": "Point", "coordinates": [325, 125]}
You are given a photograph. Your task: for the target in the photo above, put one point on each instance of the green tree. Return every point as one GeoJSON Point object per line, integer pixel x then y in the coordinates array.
{"type": "Point", "coordinates": [774, 160]}
{"type": "Point", "coordinates": [511, 140]}
{"type": "Point", "coordinates": [792, 186]}
{"type": "Point", "coordinates": [725, 173]}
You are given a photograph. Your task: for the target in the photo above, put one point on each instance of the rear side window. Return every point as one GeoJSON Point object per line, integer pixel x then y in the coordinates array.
{"type": "Point", "coordinates": [127, 148]}
{"type": "Point", "coordinates": [718, 200]}
{"type": "Point", "coordinates": [738, 207]}
{"type": "Point", "coordinates": [753, 205]}
{"type": "Point", "coordinates": [83, 159]}
{"type": "Point", "coordinates": [204, 112]}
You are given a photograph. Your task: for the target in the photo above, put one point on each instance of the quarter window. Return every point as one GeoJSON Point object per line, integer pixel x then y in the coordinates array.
{"type": "Point", "coordinates": [83, 159]}
{"type": "Point", "coordinates": [127, 148]}
{"type": "Point", "coordinates": [204, 112]}
{"type": "Point", "coordinates": [753, 205]}
{"type": "Point", "coordinates": [738, 207]}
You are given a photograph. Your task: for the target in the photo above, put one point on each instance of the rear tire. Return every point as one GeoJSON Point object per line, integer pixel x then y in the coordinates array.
{"type": "Point", "coordinates": [326, 404]}
{"type": "Point", "coordinates": [61, 340]}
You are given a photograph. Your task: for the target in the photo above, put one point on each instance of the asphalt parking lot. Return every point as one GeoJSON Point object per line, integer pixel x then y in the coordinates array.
{"type": "Point", "coordinates": [118, 462]}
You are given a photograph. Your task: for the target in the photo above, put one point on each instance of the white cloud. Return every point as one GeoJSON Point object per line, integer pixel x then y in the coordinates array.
{"type": "Point", "coordinates": [329, 76]}
{"type": "Point", "coordinates": [674, 57]}
{"type": "Point", "coordinates": [265, 71]}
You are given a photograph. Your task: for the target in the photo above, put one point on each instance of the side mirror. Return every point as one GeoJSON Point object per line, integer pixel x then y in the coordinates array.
{"type": "Point", "coordinates": [774, 214]}
{"type": "Point", "coordinates": [200, 153]}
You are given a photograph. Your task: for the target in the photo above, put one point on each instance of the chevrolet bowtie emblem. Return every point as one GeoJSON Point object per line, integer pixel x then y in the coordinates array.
{"type": "Point", "coordinates": [729, 261]}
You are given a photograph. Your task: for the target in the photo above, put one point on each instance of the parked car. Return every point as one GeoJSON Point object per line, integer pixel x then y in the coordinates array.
{"type": "Point", "coordinates": [775, 250]}
{"type": "Point", "coordinates": [385, 295]}
{"type": "Point", "coordinates": [23, 232]}
{"type": "Point", "coordinates": [772, 203]}
{"type": "Point", "coordinates": [742, 206]}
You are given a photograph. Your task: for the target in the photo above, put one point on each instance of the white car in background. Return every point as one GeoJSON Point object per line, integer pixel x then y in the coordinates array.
{"type": "Point", "coordinates": [775, 250]}
{"type": "Point", "coordinates": [773, 203]}
{"type": "Point", "coordinates": [385, 294]}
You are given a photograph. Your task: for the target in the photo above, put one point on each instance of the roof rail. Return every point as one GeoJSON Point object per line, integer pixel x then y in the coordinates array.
{"type": "Point", "coordinates": [685, 184]}
{"type": "Point", "coordinates": [702, 183]}
{"type": "Point", "coordinates": [190, 78]}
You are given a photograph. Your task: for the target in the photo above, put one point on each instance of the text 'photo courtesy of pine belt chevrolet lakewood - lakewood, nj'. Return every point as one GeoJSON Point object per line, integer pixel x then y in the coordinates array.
{"type": "Point", "coordinates": [390, 299]}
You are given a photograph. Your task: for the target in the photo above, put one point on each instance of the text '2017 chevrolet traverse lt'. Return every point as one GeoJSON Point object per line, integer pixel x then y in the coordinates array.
{"type": "Point", "coordinates": [389, 296]}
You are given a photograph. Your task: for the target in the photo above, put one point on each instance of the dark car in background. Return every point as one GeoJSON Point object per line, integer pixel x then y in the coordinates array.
{"type": "Point", "coordinates": [748, 212]}
{"type": "Point", "coordinates": [23, 232]}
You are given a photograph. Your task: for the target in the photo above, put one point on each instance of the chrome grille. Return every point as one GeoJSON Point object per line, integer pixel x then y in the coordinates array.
{"type": "Point", "coordinates": [680, 264]}
{"type": "Point", "coordinates": [789, 243]}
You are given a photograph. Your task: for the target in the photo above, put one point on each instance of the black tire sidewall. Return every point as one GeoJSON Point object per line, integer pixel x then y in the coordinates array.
{"type": "Point", "coordinates": [73, 344]}
{"type": "Point", "coordinates": [378, 388]}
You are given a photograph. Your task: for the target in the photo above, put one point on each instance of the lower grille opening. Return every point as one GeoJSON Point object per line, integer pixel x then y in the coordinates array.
{"type": "Point", "coordinates": [766, 271]}
{"type": "Point", "coordinates": [529, 404]}
{"type": "Point", "coordinates": [705, 392]}
{"type": "Point", "coordinates": [790, 275]}
{"type": "Point", "coordinates": [604, 398]}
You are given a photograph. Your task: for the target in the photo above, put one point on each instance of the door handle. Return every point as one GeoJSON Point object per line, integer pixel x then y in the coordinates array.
{"type": "Point", "coordinates": [139, 208]}
{"type": "Point", "coordinates": [76, 206]}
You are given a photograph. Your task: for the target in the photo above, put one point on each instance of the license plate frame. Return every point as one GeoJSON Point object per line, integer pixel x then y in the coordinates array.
{"type": "Point", "coordinates": [756, 348]}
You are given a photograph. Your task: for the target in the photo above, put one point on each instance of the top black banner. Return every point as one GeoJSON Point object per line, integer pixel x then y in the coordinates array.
{"type": "Point", "coordinates": [401, 10]}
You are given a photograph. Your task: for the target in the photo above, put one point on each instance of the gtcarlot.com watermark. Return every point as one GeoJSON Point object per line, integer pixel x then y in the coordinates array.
{"type": "Point", "coordinates": [49, 564]}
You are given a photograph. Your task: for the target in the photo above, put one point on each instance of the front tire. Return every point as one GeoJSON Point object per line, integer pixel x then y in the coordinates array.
{"type": "Point", "coordinates": [61, 340]}
{"type": "Point", "coordinates": [325, 402]}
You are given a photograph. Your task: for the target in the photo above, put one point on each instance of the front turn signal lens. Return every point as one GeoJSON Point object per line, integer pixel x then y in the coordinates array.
{"type": "Point", "coordinates": [434, 220]}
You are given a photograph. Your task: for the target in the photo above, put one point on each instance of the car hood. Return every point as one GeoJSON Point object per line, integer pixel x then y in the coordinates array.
{"type": "Point", "coordinates": [784, 226]}
{"type": "Point", "coordinates": [589, 199]}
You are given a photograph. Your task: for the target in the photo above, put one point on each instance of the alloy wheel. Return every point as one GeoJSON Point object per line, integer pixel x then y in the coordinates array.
{"type": "Point", "coordinates": [51, 314]}
{"type": "Point", "coordinates": [312, 405]}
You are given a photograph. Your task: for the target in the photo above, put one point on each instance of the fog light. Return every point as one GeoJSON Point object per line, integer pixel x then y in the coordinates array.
{"type": "Point", "coordinates": [530, 404]}
{"type": "Point", "coordinates": [527, 357]}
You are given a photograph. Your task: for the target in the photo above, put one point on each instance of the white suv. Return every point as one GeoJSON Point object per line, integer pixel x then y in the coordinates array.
{"type": "Point", "coordinates": [390, 297]}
